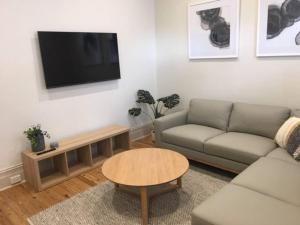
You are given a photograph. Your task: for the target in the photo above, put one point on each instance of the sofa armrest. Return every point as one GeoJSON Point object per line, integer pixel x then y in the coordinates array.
{"type": "Point", "coordinates": [169, 121]}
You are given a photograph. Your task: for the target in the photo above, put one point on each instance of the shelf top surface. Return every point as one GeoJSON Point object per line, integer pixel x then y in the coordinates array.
{"type": "Point", "coordinates": [145, 167]}
{"type": "Point", "coordinates": [80, 141]}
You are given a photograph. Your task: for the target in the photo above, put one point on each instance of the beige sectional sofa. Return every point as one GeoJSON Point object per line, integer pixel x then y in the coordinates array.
{"type": "Point", "coordinates": [224, 134]}
{"type": "Point", "coordinates": [236, 136]}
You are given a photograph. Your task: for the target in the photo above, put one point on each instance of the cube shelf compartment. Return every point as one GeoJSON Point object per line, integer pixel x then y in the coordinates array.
{"type": "Point", "coordinates": [101, 150]}
{"type": "Point", "coordinates": [74, 156]}
{"type": "Point", "coordinates": [79, 159]}
{"type": "Point", "coordinates": [120, 143]}
{"type": "Point", "coordinates": [53, 169]}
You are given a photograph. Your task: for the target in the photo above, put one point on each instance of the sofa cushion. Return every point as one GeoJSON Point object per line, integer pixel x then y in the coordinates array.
{"type": "Point", "coordinates": [215, 161]}
{"type": "Point", "coordinates": [235, 205]}
{"type": "Point", "coordinates": [257, 119]}
{"type": "Point", "coordinates": [209, 113]}
{"type": "Point", "coordinates": [240, 147]}
{"type": "Point", "coordinates": [288, 136]}
{"type": "Point", "coordinates": [273, 177]}
{"type": "Point", "coordinates": [282, 154]}
{"type": "Point", "coordinates": [190, 135]}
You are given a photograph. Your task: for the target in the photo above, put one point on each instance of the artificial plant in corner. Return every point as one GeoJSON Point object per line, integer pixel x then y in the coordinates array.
{"type": "Point", "coordinates": [36, 137]}
{"type": "Point", "coordinates": [157, 108]}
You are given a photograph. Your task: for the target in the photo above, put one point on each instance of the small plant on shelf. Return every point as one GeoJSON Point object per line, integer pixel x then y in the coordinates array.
{"type": "Point", "coordinates": [36, 137]}
{"type": "Point", "coordinates": [157, 108]}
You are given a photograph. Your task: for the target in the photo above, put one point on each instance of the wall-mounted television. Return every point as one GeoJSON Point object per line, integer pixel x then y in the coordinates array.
{"type": "Point", "coordinates": [71, 58]}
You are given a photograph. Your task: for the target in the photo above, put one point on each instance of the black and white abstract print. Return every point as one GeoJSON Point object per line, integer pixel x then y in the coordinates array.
{"type": "Point", "coordinates": [297, 40]}
{"type": "Point", "coordinates": [219, 29]}
{"type": "Point", "coordinates": [278, 28]}
{"type": "Point", "coordinates": [282, 16]}
{"type": "Point", "coordinates": [213, 29]}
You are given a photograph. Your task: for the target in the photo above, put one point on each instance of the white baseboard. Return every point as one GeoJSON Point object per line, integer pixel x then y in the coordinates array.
{"type": "Point", "coordinates": [6, 174]}
{"type": "Point", "coordinates": [141, 131]}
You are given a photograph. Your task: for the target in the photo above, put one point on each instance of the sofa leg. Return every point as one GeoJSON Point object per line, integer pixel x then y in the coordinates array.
{"type": "Point", "coordinates": [179, 183]}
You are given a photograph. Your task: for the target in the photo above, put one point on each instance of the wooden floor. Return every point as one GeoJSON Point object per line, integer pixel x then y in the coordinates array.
{"type": "Point", "coordinates": [20, 202]}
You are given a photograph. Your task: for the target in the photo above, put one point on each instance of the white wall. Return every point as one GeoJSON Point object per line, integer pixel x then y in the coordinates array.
{"type": "Point", "coordinates": [266, 80]}
{"type": "Point", "coordinates": [67, 111]}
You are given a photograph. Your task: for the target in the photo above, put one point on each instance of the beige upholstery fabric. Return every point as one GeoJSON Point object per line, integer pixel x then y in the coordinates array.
{"type": "Point", "coordinates": [273, 177]}
{"type": "Point", "coordinates": [215, 161]}
{"type": "Point", "coordinates": [190, 136]}
{"type": "Point", "coordinates": [209, 113]}
{"type": "Point", "coordinates": [235, 205]}
{"type": "Point", "coordinates": [257, 119]}
{"type": "Point", "coordinates": [267, 192]}
{"type": "Point", "coordinates": [282, 154]}
{"type": "Point", "coordinates": [169, 121]}
{"type": "Point", "coordinates": [244, 148]}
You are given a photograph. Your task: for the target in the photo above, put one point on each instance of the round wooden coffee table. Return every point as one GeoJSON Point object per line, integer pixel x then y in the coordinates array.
{"type": "Point", "coordinates": [143, 168]}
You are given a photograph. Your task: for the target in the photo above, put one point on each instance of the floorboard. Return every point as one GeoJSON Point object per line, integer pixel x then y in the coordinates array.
{"type": "Point", "coordinates": [20, 202]}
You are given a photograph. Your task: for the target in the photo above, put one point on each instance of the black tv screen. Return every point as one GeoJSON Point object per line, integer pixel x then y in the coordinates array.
{"type": "Point", "coordinates": [71, 58]}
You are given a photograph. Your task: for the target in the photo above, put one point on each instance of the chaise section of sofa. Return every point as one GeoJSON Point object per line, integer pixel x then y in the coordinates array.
{"type": "Point", "coordinates": [266, 193]}
{"type": "Point", "coordinates": [273, 177]}
{"type": "Point", "coordinates": [237, 205]}
{"type": "Point", "coordinates": [227, 135]}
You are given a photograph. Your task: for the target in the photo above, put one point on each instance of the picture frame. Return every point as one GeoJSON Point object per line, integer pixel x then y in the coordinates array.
{"type": "Point", "coordinates": [213, 29]}
{"type": "Point", "coordinates": [274, 39]}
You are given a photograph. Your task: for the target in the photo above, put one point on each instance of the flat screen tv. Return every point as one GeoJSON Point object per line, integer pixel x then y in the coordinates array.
{"type": "Point", "coordinates": [71, 58]}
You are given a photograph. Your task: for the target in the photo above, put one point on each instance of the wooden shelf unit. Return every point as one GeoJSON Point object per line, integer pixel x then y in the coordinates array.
{"type": "Point", "coordinates": [74, 156]}
{"type": "Point", "coordinates": [119, 143]}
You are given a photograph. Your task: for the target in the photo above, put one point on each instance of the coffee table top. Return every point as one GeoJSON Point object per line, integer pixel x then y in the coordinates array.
{"type": "Point", "coordinates": [145, 167]}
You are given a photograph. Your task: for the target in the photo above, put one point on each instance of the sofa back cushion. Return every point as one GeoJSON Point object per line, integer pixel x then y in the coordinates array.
{"type": "Point", "coordinates": [257, 119]}
{"type": "Point", "coordinates": [210, 113]}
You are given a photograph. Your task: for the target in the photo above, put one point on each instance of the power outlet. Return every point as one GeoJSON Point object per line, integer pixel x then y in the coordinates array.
{"type": "Point", "coordinates": [15, 179]}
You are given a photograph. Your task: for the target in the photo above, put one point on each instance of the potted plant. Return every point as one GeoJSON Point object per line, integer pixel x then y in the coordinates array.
{"type": "Point", "coordinates": [36, 137]}
{"type": "Point", "coordinates": [157, 108]}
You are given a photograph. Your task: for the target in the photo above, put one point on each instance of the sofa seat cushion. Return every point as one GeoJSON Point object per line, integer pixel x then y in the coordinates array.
{"type": "Point", "coordinates": [235, 205]}
{"type": "Point", "coordinates": [273, 177]}
{"type": "Point", "coordinates": [189, 136]}
{"type": "Point", "coordinates": [282, 154]}
{"type": "Point", "coordinates": [240, 147]}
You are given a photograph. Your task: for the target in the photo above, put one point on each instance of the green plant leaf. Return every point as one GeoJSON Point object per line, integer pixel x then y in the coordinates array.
{"type": "Point", "coordinates": [135, 112]}
{"type": "Point", "coordinates": [145, 97]}
{"type": "Point", "coordinates": [170, 101]}
{"type": "Point", "coordinates": [33, 132]}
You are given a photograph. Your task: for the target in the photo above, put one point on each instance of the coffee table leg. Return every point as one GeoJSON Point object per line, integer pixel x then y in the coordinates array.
{"type": "Point", "coordinates": [145, 204]}
{"type": "Point", "coordinates": [179, 182]}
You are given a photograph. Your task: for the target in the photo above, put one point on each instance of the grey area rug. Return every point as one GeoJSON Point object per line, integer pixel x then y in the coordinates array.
{"type": "Point", "coordinates": [103, 205]}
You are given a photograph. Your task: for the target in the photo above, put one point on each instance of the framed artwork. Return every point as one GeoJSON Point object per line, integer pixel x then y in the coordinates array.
{"type": "Point", "coordinates": [213, 29]}
{"type": "Point", "coordinates": [278, 28]}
